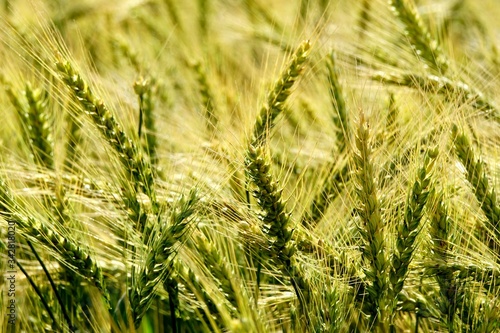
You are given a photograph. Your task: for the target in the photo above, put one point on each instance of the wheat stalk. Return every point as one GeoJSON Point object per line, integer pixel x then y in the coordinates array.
{"type": "Point", "coordinates": [337, 177]}
{"type": "Point", "coordinates": [391, 122]}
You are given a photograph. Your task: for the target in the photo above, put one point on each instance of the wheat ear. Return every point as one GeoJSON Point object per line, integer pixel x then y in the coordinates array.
{"type": "Point", "coordinates": [419, 36]}
{"type": "Point", "coordinates": [477, 177]}
{"type": "Point", "coordinates": [73, 255]}
{"type": "Point", "coordinates": [204, 10]}
{"type": "Point", "coordinates": [40, 137]}
{"type": "Point", "coordinates": [35, 120]}
{"type": "Point", "coordinates": [340, 118]}
{"type": "Point", "coordinates": [364, 18]}
{"type": "Point", "coordinates": [440, 230]}
{"type": "Point", "coordinates": [275, 219]}
{"type": "Point", "coordinates": [372, 228]}
{"type": "Point", "coordinates": [277, 96]}
{"type": "Point", "coordinates": [144, 90]}
{"type": "Point", "coordinates": [158, 264]}
{"type": "Point", "coordinates": [409, 228]}
{"type": "Point", "coordinates": [221, 270]}
{"type": "Point", "coordinates": [139, 169]}
{"type": "Point", "coordinates": [451, 90]}
{"type": "Point", "coordinates": [208, 101]}
{"type": "Point", "coordinates": [128, 152]}
{"type": "Point", "coordinates": [192, 282]}
{"type": "Point", "coordinates": [173, 14]}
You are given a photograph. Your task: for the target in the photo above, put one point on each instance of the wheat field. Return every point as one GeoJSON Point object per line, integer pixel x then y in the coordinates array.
{"type": "Point", "coordinates": [250, 166]}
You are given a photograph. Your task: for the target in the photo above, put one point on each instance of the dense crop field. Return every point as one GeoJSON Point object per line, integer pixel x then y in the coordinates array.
{"type": "Point", "coordinates": [250, 166]}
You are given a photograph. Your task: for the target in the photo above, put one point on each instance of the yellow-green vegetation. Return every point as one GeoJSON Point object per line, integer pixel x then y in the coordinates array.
{"type": "Point", "coordinates": [249, 166]}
